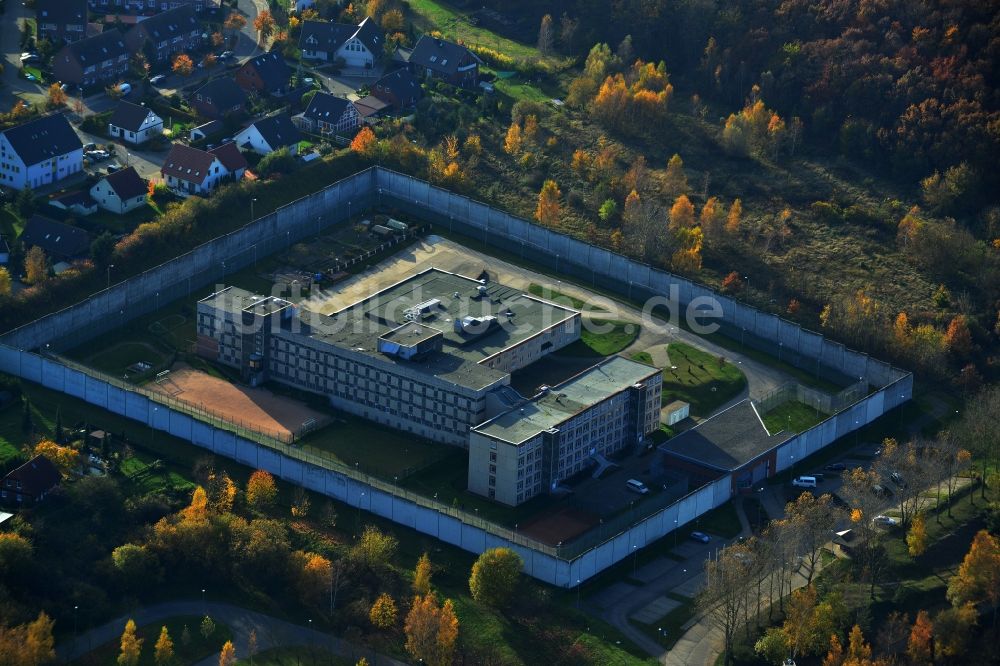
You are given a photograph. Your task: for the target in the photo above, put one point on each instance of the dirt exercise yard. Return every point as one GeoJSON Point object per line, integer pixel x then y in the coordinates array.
{"type": "Point", "coordinates": [252, 408]}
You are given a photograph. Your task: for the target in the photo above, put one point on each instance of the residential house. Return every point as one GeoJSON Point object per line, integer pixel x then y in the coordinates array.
{"type": "Point", "coordinates": [266, 74]}
{"type": "Point", "coordinates": [188, 170]}
{"type": "Point", "coordinates": [327, 114]}
{"type": "Point", "coordinates": [39, 152]}
{"type": "Point", "coordinates": [61, 20]}
{"type": "Point", "coordinates": [209, 129]}
{"type": "Point", "coordinates": [399, 89]}
{"type": "Point", "coordinates": [270, 134]}
{"type": "Point", "coordinates": [59, 241]}
{"type": "Point", "coordinates": [101, 59]}
{"type": "Point", "coordinates": [370, 109]}
{"type": "Point", "coordinates": [302, 5]}
{"type": "Point", "coordinates": [357, 45]}
{"type": "Point", "coordinates": [150, 6]}
{"type": "Point", "coordinates": [219, 98]}
{"type": "Point", "coordinates": [31, 482]}
{"type": "Point", "coordinates": [134, 123]}
{"type": "Point", "coordinates": [162, 35]}
{"type": "Point", "coordinates": [121, 191]}
{"type": "Point", "coordinates": [232, 160]}
{"type": "Point", "coordinates": [453, 63]}
{"type": "Point", "coordinates": [77, 201]}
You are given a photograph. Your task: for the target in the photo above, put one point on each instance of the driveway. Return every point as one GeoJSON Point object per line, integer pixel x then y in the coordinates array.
{"type": "Point", "coordinates": [146, 162]}
{"type": "Point", "coordinates": [247, 46]}
{"type": "Point", "coordinates": [271, 632]}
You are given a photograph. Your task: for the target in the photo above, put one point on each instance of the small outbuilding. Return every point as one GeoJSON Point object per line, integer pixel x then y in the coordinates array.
{"type": "Point", "coordinates": [676, 412]}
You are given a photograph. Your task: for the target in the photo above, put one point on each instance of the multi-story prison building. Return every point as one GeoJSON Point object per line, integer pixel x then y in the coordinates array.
{"type": "Point", "coordinates": [432, 355]}
{"type": "Point", "coordinates": [528, 450]}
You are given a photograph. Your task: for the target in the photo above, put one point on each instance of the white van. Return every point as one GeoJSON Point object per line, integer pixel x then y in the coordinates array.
{"type": "Point", "coordinates": [636, 486]}
{"type": "Point", "coordinates": [805, 482]}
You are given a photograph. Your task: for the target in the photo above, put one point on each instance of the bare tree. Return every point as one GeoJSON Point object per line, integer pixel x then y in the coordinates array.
{"type": "Point", "coordinates": [952, 459]}
{"type": "Point", "coordinates": [860, 493]}
{"type": "Point", "coordinates": [545, 35]}
{"type": "Point", "coordinates": [978, 428]}
{"type": "Point", "coordinates": [813, 520]}
{"type": "Point", "coordinates": [912, 470]}
{"type": "Point", "coordinates": [723, 599]}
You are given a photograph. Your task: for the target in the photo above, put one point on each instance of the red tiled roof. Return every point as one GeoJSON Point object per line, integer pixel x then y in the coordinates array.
{"type": "Point", "coordinates": [230, 156]}
{"type": "Point", "coordinates": [187, 163]}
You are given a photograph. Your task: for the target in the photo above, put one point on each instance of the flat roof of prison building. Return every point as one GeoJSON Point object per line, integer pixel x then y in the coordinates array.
{"type": "Point", "coordinates": [558, 403]}
{"type": "Point", "coordinates": [235, 300]}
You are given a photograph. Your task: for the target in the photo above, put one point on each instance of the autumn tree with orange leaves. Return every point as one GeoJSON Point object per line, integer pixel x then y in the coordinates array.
{"type": "Point", "coordinates": [919, 646]}
{"type": "Point", "coordinates": [549, 207]}
{"type": "Point", "coordinates": [264, 24]}
{"type": "Point", "coordinates": [183, 65]}
{"type": "Point", "coordinates": [431, 630]}
{"type": "Point", "coordinates": [365, 143]}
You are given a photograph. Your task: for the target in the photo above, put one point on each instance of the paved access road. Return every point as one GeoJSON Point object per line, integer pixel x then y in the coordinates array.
{"type": "Point", "coordinates": [271, 632]}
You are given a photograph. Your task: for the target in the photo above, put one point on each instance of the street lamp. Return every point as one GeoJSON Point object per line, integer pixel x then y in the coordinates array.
{"type": "Point", "coordinates": [110, 266]}
{"type": "Point", "coordinates": [252, 202]}
{"type": "Point", "coordinates": [202, 597]}
{"type": "Point", "coordinates": [747, 279]}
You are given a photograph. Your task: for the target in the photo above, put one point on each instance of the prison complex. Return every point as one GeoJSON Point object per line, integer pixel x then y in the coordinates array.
{"type": "Point", "coordinates": [432, 355]}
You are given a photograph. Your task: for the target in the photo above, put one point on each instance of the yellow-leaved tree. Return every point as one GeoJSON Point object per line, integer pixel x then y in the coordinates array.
{"type": "Point", "coordinates": [383, 612]}
{"type": "Point", "coordinates": [548, 210]}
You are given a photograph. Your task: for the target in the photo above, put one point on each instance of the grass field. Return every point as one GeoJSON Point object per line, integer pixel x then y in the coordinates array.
{"type": "Point", "coordinates": [618, 336]}
{"type": "Point", "coordinates": [430, 15]}
{"type": "Point", "coordinates": [792, 416]}
{"type": "Point", "coordinates": [116, 358]}
{"type": "Point", "coordinates": [699, 378]}
{"type": "Point", "coordinates": [377, 450]}
{"type": "Point", "coordinates": [197, 649]}
{"type": "Point", "coordinates": [11, 435]}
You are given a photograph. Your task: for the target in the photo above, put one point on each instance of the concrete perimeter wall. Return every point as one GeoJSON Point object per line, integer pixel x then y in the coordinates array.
{"type": "Point", "coordinates": [564, 566]}
{"type": "Point", "coordinates": [206, 264]}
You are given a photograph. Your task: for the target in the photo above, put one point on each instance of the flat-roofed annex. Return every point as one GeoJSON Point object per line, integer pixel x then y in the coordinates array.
{"type": "Point", "coordinates": [558, 403]}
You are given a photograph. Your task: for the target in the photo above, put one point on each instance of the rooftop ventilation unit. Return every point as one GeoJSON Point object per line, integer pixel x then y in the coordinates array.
{"type": "Point", "coordinates": [474, 325]}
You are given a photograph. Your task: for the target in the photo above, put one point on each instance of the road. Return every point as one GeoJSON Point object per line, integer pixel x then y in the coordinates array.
{"type": "Point", "coordinates": [271, 632]}
{"type": "Point", "coordinates": [15, 88]}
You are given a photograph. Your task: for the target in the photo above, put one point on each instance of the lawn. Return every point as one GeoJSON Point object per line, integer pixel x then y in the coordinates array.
{"type": "Point", "coordinates": [556, 296]}
{"type": "Point", "coordinates": [297, 656]}
{"type": "Point", "coordinates": [11, 435]}
{"type": "Point", "coordinates": [699, 378]}
{"type": "Point", "coordinates": [10, 224]}
{"type": "Point", "coordinates": [792, 416]}
{"type": "Point", "coordinates": [372, 448]}
{"type": "Point", "coordinates": [430, 15]}
{"type": "Point", "coordinates": [600, 343]}
{"type": "Point", "coordinates": [114, 359]}
{"type": "Point", "coordinates": [722, 521]}
{"type": "Point", "coordinates": [195, 650]}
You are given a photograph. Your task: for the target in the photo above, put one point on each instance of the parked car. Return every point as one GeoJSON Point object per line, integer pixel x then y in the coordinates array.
{"type": "Point", "coordinates": [885, 521]}
{"type": "Point", "coordinates": [225, 55]}
{"type": "Point", "coordinates": [637, 486]}
{"type": "Point", "coordinates": [97, 155]}
{"type": "Point", "coordinates": [67, 87]}
{"type": "Point", "coordinates": [30, 57]}
{"type": "Point", "coordinates": [881, 491]}
{"type": "Point", "coordinates": [158, 79]}
{"type": "Point", "coordinates": [804, 482]}
{"type": "Point", "coordinates": [87, 147]}
{"type": "Point", "coordinates": [124, 88]}
{"type": "Point", "coordinates": [700, 536]}
{"type": "Point", "coordinates": [898, 479]}
{"type": "Point", "coordinates": [114, 166]}
{"type": "Point", "coordinates": [836, 467]}
{"type": "Point", "coordinates": [30, 77]}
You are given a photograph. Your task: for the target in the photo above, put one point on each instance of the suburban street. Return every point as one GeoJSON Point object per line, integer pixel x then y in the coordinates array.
{"type": "Point", "coordinates": [14, 87]}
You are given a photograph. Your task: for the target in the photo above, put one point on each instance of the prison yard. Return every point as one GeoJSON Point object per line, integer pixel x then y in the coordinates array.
{"type": "Point", "coordinates": [331, 272]}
